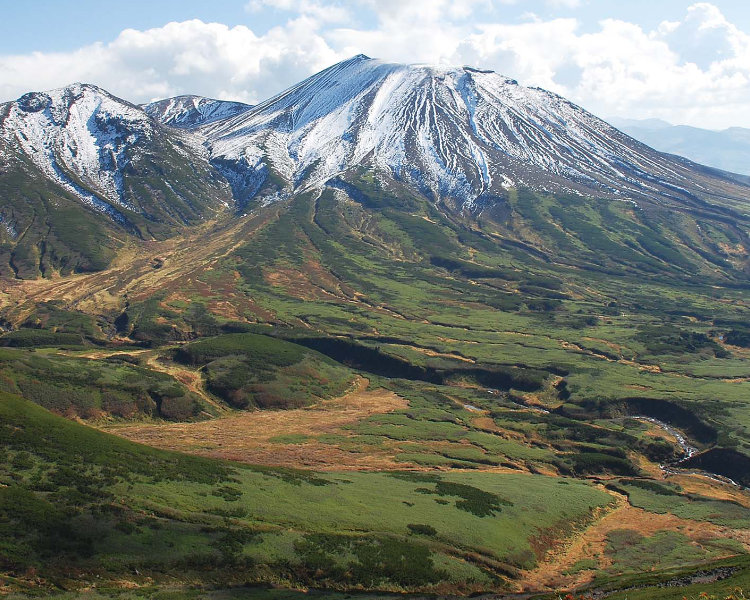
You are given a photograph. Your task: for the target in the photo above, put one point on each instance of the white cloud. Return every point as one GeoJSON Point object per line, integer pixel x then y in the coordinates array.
{"type": "Point", "coordinates": [694, 68]}
{"type": "Point", "coordinates": [564, 3]}
{"type": "Point", "coordinates": [188, 57]}
{"type": "Point", "coordinates": [531, 52]}
{"type": "Point", "coordinates": [704, 36]}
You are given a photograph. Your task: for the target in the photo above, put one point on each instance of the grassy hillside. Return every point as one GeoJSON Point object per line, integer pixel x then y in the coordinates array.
{"type": "Point", "coordinates": [513, 359]}
{"type": "Point", "coordinates": [74, 499]}
{"type": "Point", "coordinates": [45, 229]}
{"type": "Point", "coordinates": [81, 387]}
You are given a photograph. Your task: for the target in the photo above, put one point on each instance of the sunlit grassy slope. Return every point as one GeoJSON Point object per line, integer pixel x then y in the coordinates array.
{"type": "Point", "coordinates": [522, 339]}
{"type": "Point", "coordinates": [74, 499]}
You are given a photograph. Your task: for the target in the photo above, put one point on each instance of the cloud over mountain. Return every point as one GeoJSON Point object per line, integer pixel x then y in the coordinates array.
{"type": "Point", "coordinates": [694, 69]}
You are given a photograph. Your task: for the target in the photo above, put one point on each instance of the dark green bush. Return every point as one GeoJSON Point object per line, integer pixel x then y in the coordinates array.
{"type": "Point", "coordinates": [259, 351]}
{"type": "Point", "coordinates": [595, 463]}
{"type": "Point", "coordinates": [420, 529]}
{"type": "Point", "coordinates": [30, 338]}
{"type": "Point", "coordinates": [738, 337]}
{"type": "Point", "coordinates": [472, 500]}
{"type": "Point", "coordinates": [668, 339]}
{"type": "Point", "coordinates": [375, 562]}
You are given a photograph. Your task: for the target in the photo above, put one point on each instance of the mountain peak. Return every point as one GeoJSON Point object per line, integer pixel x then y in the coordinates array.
{"type": "Point", "coordinates": [58, 98]}
{"type": "Point", "coordinates": [190, 112]}
{"type": "Point", "coordinates": [454, 131]}
{"type": "Point", "coordinates": [81, 129]}
{"type": "Point", "coordinates": [459, 134]}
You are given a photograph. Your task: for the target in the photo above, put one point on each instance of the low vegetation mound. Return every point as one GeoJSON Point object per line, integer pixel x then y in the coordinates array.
{"type": "Point", "coordinates": [89, 389]}
{"type": "Point", "coordinates": [249, 370]}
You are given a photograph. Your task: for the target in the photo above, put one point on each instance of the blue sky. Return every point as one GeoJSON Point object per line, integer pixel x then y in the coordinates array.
{"type": "Point", "coordinates": [56, 25]}
{"type": "Point", "coordinates": [686, 62]}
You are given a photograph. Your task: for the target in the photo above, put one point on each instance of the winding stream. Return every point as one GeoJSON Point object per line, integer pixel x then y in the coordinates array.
{"type": "Point", "coordinates": [687, 451]}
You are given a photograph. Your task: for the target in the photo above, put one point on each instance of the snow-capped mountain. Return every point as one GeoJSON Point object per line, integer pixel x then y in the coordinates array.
{"type": "Point", "coordinates": [189, 112]}
{"type": "Point", "coordinates": [457, 133]}
{"type": "Point", "coordinates": [106, 151]}
{"type": "Point", "coordinates": [463, 137]}
{"type": "Point", "coordinates": [79, 137]}
{"type": "Point", "coordinates": [460, 135]}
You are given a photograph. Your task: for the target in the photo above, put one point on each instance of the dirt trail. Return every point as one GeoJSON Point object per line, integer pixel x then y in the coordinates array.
{"type": "Point", "coordinates": [248, 436]}
{"type": "Point", "coordinates": [138, 271]}
{"type": "Point", "coordinates": [100, 354]}
{"type": "Point", "coordinates": [192, 380]}
{"type": "Point", "coordinates": [591, 542]}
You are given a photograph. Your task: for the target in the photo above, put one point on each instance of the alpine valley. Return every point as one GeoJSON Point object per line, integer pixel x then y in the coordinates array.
{"type": "Point", "coordinates": [398, 329]}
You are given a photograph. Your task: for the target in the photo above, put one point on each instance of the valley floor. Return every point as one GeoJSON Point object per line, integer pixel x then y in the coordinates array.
{"type": "Point", "coordinates": [278, 438]}
{"type": "Point", "coordinates": [322, 395]}
{"type": "Point", "coordinates": [292, 438]}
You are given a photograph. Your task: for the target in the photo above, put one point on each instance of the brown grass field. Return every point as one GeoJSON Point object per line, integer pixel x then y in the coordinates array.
{"type": "Point", "coordinates": [249, 436]}
{"type": "Point", "coordinates": [590, 543]}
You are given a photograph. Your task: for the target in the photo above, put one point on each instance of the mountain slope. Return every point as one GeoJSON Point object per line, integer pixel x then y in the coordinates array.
{"type": "Point", "coordinates": [189, 112]}
{"type": "Point", "coordinates": [460, 135]}
{"type": "Point", "coordinates": [81, 151]}
{"type": "Point", "coordinates": [524, 164]}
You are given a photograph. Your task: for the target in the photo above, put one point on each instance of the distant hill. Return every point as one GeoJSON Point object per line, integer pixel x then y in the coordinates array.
{"type": "Point", "coordinates": [728, 150]}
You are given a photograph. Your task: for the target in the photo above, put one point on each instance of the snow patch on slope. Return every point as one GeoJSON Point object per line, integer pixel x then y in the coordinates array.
{"type": "Point", "coordinates": [189, 112]}
{"type": "Point", "coordinates": [454, 132]}
{"type": "Point", "coordinates": [80, 137]}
